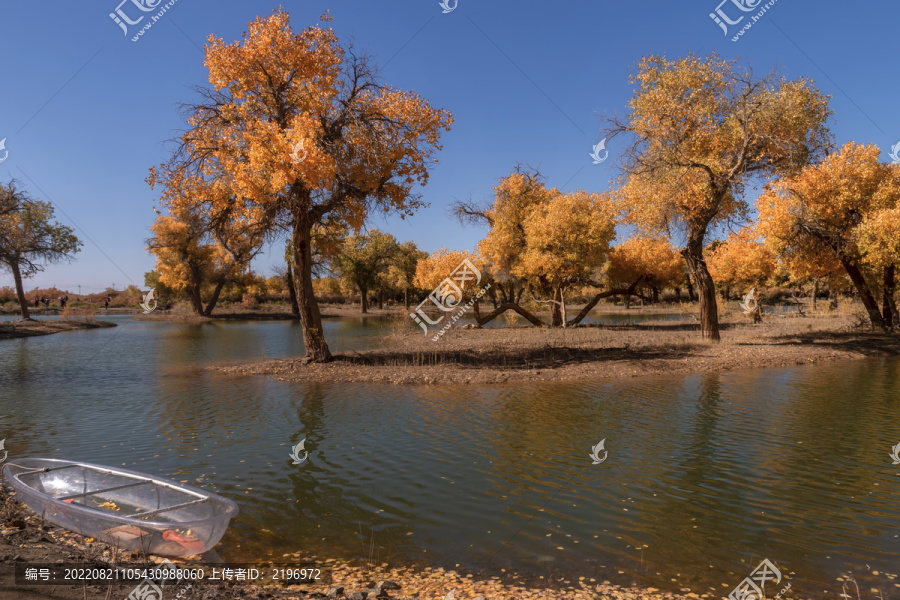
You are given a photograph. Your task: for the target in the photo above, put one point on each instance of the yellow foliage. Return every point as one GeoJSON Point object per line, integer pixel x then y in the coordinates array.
{"type": "Point", "coordinates": [653, 258]}
{"type": "Point", "coordinates": [742, 261]}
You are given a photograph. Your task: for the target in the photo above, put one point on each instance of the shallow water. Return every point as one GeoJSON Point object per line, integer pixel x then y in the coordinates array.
{"type": "Point", "coordinates": [705, 476]}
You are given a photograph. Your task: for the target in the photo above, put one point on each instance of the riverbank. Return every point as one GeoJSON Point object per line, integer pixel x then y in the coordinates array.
{"type": "Point", "coordinates": [20, 329]}
{"type": "Point", "coordinates": [182, 314]}
{"type": "Point", "coordinates": [597, 352]}
{"type": "Point", "coordinates": [27, 539]}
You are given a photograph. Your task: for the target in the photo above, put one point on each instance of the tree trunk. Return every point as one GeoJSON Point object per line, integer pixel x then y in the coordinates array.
{"type": "Point", "coordinates": [511, 306]}
{"type": "Point", "coordinates": [815, 293]}
{"type": "Point", "coordinates": [690, 287]}
{"type": "Point", "coordinates": [289, 275]}
{"type": "Point", "coordinates": [556, 311]}
{"type": "Point", "coordinates": [380, 299]}
{"type": "Point", "coordinates": [655, 294]}
{"type": "Point", "coordinates": [887, 299]}
{"type": "Point", "coordinates": [406, 298]}
{"type": "Point", "coordinates": [630, 291]}
{"type": "Point", "coordinates": [211, 305]}
{"type": "Point", "coordinates": [20, 290]}
{"type": "Point", "coordinates": [865, 294]}
{"type": "Point", "coordinates": [706, 291]}
{"type": "Point", "coordinates": [363, 298]}
{"type": "Point", "coordinates": [196, 302]}
{"type": "Point", "coordinates": [310, 318]}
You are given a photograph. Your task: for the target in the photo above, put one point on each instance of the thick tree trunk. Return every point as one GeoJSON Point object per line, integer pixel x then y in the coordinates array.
{"type": "Point", "coordinates": [706, 291]}
{"type": "Point", "coordinates": [196, 302]}
{"type": "Point", "coordinates": [556, 309]}
{"type": "Point", "coordinates": [363, 298]}
{"type": "Point", "coordinates": [211, 305]}
{"type": "Point", "coordinates": [310, 318]}
{"type": "Point", "coordinates": [380, 299]}
{"type": "Point", "coordinates": [887, 300]}
{"type": "Point", "coordinates": [690, 287]}
{"type": "Point", "coordinates": [292, 291]}
{"type": "Point", "coordinates": [20, 290]}
{"type": "Point", "coordinates": [406, 299]}
{"type": "Point", "coordinates": [865, 294]}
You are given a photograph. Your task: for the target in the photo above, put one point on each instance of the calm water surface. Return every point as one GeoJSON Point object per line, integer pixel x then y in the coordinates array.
{"type": "Point", "coordinates": [706, 475]}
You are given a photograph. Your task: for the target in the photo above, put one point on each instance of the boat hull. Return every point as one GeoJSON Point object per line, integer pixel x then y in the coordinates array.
{"type": "Point", "coordinates": [127, 509]}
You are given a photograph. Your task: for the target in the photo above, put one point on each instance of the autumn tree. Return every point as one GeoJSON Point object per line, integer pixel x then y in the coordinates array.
{"type": "Point", "coordinates": [700, 130]}
{"type": "Point", "coordinates": [30, 238]}
{"type": "Point", "coordinates": [879, 240]}
{"type": "Point", "coordinates": [402, 269]}
{"type": "Point", "coordinates": [545, 242]}
{"type": "Point", "coordinates": [194, 245]}
{"type": "Point", "coordinates": [839, 208]}
{"type": "Point", "coordinates": [432, 271]}
{"type": "Point", "coordinates": [567, 239]}
{"type": "Point", "coordinates": [741, 261]}
{"type": "Point", "coordinates": [304, 132]}
{"type": "Point", "coordinates": [363, 259]}
{"type": "Point", "coordinates": [651, 260]}
{"type": "Point", "coordinates": [504, 246]}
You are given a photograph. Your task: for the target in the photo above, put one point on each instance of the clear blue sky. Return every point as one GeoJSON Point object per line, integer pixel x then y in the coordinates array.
{"type": "Point", "coordinates": [85, 111]}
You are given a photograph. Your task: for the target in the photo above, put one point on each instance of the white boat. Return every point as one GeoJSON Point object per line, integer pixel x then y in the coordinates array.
{"type": "Point", "coordinates": [127, 509]}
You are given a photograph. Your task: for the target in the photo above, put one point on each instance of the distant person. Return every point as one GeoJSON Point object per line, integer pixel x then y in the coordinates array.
{"type": "Point", "coordinates": [106, 304]}
{"type": "Point", "coordinates": [37, 301]}
{"type": "Point", "coordinates": [47, 302]}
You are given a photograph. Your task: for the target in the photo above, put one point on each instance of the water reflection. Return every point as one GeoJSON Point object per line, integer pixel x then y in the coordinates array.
{"type": "Point", "coordinates": [706, 474]}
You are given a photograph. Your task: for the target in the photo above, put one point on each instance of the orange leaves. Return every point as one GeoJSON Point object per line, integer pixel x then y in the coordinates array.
{"type": "Point", "coordinates": [702, 127]}
{"type": "Point", "coordinates": [742, 260]}
{"type": "Point", "coordinates": [431, 271]}
{"type": "Point", "coordinates": [653, 258]}
{"type": "Point", "coordinates": [566, 238]}
{"type": "Point", "coordinates": [841, 206]}
{"type": "Point", "coordinates": [296, 126]}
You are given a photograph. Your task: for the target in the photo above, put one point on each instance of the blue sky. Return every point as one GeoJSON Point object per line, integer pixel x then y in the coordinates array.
{"type": "Point", "coordinates": [86, 112]}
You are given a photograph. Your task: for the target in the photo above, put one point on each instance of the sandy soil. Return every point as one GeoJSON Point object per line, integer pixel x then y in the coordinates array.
{"type": "Point", "coordinates": [529, 354]}
{"type": "Point", "coordinates": [20, 329]}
